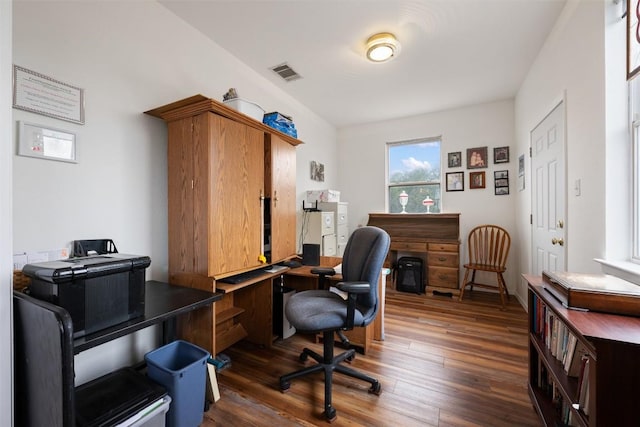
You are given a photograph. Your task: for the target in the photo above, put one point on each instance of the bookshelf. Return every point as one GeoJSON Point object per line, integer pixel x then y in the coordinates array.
{"type": "Point", "coordinates": [602, 390]}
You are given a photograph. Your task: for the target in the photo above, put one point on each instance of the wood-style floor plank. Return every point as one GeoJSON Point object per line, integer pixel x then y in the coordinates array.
{"type": "Point", "coordinates": [442, 363]}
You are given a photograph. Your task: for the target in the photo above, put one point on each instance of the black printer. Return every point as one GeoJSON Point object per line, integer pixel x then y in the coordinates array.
{"type": "Point", "coordinates": [98, 291]}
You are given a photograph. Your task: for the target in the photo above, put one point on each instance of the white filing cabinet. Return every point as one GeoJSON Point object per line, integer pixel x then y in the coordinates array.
{"type": "Point", "coordinates": [321, 230]}
{"type": "Point", "coordinates": [342, 229]}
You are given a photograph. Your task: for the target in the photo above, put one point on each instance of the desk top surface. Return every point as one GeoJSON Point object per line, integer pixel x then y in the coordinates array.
{"type": "Point", "coordinates": [162, 302]}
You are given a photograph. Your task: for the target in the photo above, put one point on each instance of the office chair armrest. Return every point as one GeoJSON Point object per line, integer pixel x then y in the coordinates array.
{"type": "Point", "coordinates": [323, 273]}
{"type": "Point", "coordinates": [327, 271]}
{"type": "Point", "coordinates": [353, 289]}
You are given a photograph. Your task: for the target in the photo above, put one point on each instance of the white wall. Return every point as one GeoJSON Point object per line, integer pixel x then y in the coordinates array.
{"type": "Point", "coordinates": [6, 267]}
{"type": "Point", "coordinates": [129, 57]}
{"type": "Point", "coordinates": [570, 65]}
{"type": "Point", "coordinates": [361, 165]}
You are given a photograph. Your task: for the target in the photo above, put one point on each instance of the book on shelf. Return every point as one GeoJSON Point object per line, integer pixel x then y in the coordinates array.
{"type": "Point", "coordinates": [574, 362]}
{"type": "Point", "coordinates": [570, 349]}
{"type": "Point", "coordinates": [583, 383]}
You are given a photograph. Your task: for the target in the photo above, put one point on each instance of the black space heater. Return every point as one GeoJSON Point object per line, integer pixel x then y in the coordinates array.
{"type": "Point", "coordinates": [410, 275]}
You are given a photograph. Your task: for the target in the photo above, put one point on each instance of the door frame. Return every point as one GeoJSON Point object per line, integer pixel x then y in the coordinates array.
{"type": "Point", "coordinates": [560, 100]}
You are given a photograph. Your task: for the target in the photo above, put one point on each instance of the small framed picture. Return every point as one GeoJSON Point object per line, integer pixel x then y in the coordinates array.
{"type": "Point", "coordinates": [501, 181]}
{"type": "Point", "coordinates": [501, 175]}
{"type": "Point", "coordinates": [455, 159]}
{"type": "Point", "coordinates": [501, 155]}
{"type": "Point", "coordinates": [476, 180]}
{"type": "Point", "coordinates": [521, 172]}
{"type": "Point", "coordinates": [476, 158]}
{"type": "Point", "coordinates": [501, 191]}
{"type": "Point", "coordinates": [455, 181]}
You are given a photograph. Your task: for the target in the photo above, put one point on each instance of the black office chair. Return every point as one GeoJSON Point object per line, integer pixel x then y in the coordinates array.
{"type": "Point", "coordinates": [327, 312]}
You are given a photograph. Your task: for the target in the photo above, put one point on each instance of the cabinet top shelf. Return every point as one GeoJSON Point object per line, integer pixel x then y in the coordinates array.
{"type": "Point", "coordinates": [590, 324]}
{"type": "Point", "coordinates": [199, 104]}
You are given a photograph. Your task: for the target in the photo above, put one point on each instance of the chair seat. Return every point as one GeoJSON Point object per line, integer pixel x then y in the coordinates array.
{"type": "Point", "coordinates": [319, 310]}
{"type": "Point", "coordinates": [486, 267]}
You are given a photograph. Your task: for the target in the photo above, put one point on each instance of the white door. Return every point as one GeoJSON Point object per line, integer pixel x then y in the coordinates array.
{"type": "Point", "coordinates": [548, 193]}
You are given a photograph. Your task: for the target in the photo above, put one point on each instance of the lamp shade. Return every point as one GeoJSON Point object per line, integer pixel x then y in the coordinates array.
{"type": "Point", "coordinates": [382, 46]}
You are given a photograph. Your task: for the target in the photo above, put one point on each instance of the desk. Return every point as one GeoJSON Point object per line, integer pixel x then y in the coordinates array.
{"type": "Point", "coordinates": [302, 279]}
{"type": "Point", "coordinates": [163, 303]}
{"type": "Point", "coordinates": [44, 348]}
{"type": "Point", "coordinates": [435, 237]}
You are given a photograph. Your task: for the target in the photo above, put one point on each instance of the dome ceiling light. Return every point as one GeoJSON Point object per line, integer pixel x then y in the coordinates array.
{"type": "Point", "coordinates": [382, 46]}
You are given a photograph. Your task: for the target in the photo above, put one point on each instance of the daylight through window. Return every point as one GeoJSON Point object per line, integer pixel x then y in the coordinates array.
{"type": "Point", "coordinates": [414, 176]}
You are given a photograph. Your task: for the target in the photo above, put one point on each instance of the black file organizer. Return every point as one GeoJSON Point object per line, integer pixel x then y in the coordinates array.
{"type": "Point", "coordinates": [88, 247]}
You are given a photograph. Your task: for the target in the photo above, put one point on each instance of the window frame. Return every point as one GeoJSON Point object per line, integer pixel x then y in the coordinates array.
{"type": "Point", "coordinates": [389, 185]}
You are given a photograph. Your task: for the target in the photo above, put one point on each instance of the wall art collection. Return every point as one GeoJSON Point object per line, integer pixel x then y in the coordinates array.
{"type": "Point", "coordinates": [478, 158]}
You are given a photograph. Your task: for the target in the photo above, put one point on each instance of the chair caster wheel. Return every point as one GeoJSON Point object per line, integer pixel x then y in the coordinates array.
{"type": "Point", "coordinates": [284, 386]}
{"type": "Point", "coordinates": [350, 358]}
{"type": "Point", "coordinates": [303, 357]}
{"type": "Point", "coordinates": [330, 414]}
{"type": "Point", "coordinates": [376, 388]}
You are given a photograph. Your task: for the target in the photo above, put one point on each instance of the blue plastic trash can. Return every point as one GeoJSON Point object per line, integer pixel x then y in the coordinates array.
{"type": "Point", "coordinates": [181, 368]}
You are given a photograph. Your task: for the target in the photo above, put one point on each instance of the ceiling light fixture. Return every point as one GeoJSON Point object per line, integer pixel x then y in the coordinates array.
{"type": "Point", "coordinates": [382, 46]}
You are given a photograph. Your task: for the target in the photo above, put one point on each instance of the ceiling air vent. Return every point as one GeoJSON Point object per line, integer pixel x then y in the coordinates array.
{"type": "Point", "coordinates": [286, 72]}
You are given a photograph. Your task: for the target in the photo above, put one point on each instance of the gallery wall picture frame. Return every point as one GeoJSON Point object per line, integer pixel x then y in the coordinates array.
{"type": "Point", "coordinates": [317, 171]}
{"type": "Point", "coordinates": [501, 155]}
{"type": "Point", "coordinates": [501, 182]}
{"type": "Point", "coordinates": [454, 160]}
{"type": "Point", "coordinates": [521, 172]}
{"type": "Point", "coordinates": [633, 38]}
{"type": "Point", "coordinates": [476, 180]}
{"type": "Point", "coordinates": [477, 158]}
{"type": "Point", "coordinates": [40, 94]}
{"type": "Point", "coordinates": [455, 181]}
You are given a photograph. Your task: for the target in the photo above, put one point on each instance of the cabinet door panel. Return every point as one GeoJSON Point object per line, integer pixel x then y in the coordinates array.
{"type": "Point", "coordinates": [237, 181]}
{"type": "Point", "coordinates": [180, 197]}
{"type": "Point", "coordinates": [281, 187]}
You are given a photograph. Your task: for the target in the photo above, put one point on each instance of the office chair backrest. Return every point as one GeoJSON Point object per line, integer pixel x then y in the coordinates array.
{"type": "Point", "coordinates": [363, 258]}
{"type": "Point", "coordinates": [489, 245]}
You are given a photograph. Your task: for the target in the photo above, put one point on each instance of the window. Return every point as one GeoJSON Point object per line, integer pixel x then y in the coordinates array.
{"type": "Point", "coordinates": [414, 170]}
{"type": "Point", "coordinates": [635, 139]}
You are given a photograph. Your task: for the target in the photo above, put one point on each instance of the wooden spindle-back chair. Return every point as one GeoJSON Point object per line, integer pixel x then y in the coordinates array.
{"type": "Point", "coordinates": [488, 250]}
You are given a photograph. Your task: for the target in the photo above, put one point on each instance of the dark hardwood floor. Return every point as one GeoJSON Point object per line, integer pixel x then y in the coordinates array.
{"type": "Point", "coordinates": [442, 363]}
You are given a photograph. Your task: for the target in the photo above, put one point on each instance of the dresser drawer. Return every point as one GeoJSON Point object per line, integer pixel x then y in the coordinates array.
{"type": "Point", "coordinates": [443, 259]}
{"type": "Point", "coordinates": [443, 247]}
{"type": "Point", "coordinates": [408, 246]}
{"type": "Point", "coordinates": [443, 277]}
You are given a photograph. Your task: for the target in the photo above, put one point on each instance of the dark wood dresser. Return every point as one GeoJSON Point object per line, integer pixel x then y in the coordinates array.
{"type": "Point", "coordinates": [435, 237]}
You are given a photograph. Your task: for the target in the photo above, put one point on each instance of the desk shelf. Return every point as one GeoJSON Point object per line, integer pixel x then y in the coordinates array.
{"type": "Point", "coordinates": [44, 347]}
{"type": "Point", "coordinates": [227, 314]}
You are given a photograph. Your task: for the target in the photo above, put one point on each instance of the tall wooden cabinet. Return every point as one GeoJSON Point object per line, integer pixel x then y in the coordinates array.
{"type": "Point", "coordinates": [214, 187]}
{"type": "Point", "coordinates": [280, 189]}
{"type": "Point", "coordinates": [232, 199]}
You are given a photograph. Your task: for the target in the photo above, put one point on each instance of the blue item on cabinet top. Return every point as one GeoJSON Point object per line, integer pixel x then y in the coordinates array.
{"type": "Point", "coordinates": [280, 122]}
